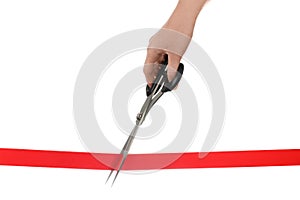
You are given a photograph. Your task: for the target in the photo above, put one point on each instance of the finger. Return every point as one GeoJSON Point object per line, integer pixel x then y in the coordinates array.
{"type": "Point", "coordinates": [173, 63]}
{"type": "Point", "coordinates": [158, 65]}
{"type": "Point", "coordinates": [151, 65]}
{"type": "Point", "coordinates": [148, 72]}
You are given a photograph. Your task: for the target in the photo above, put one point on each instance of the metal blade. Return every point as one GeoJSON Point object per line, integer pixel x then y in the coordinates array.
{"type": "Point", "coordinates": [111, 171]}
{"type": "Point", "coordinates": [124, 153]}
{"type": "Point", "coordinates": [120, 167]}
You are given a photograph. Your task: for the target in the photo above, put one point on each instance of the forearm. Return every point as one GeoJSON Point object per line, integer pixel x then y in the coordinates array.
{"type": "Point", "coordinates": [184, 16]}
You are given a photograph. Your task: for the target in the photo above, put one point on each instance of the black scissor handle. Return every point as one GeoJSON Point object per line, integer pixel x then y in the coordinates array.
{"type": "Point", "coordinates": [168, 85]}
{"type": "Point", "coordinates": [171, 85]}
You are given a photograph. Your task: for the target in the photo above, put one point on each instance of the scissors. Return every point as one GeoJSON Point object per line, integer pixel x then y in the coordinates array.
{"type": "Point", "coordinates": [160, 85]}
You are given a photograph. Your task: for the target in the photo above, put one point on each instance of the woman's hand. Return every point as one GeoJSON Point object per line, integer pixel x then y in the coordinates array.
{"type": "Point", "coordinates": [173, 39]}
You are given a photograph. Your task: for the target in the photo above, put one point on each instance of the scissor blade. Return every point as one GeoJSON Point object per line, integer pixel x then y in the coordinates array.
{"type": "Point", "coordinates": [123, 154]}
{"type": "Point", "coordinates": [111, 171]}
{"type": "Point", "coordinates": [120, 167]}
{"type": "Point", "coordinates": [117, 161]}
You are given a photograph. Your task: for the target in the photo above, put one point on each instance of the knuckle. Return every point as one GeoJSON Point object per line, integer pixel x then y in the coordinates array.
{"type": "Point", "coordinates": [146, 70]}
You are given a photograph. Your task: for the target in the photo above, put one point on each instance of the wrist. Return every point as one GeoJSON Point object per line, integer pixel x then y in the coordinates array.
{"type": "Point", "coordinates": [181, 24]}
{"type": "Point", "coordinates": [184, 17]}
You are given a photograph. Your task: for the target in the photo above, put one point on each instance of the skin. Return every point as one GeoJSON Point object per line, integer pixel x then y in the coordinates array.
{"type": "Point", "coordinates": [173, 39]}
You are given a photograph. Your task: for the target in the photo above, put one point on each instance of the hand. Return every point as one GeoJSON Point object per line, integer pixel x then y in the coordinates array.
{"type": "Point", "coordinates": [173, 39]}
{"type": "Point", "coordinates": [165, 42]}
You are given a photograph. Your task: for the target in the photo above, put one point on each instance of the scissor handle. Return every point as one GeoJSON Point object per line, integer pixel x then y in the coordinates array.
{"type": "Point", "coordinates": [168, 85]}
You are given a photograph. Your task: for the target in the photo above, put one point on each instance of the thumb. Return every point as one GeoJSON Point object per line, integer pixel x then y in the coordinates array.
{"type": "Point", "coordinates": [173, 63]}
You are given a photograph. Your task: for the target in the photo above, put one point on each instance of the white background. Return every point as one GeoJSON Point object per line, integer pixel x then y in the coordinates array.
{"type": "Point", "coordinates": [254, 44]}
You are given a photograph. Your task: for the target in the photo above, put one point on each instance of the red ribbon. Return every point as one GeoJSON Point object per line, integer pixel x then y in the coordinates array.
{"type": "Point", "coordinates": [85, 160]}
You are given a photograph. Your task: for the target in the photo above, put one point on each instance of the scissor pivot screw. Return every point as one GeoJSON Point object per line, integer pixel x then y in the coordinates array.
{"type": "Point", "coordinates": [139, 116]}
